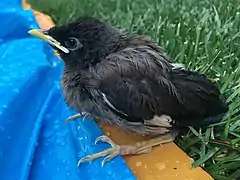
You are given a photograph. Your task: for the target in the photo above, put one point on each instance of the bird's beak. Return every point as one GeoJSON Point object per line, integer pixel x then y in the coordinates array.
{"type": "Point", "coordinates": [40, 34]}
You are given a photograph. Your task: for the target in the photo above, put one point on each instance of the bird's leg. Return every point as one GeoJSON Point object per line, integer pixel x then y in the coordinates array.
{"type": "Point", "coordinates": [82, 114]}
{"type": "Point", "coordinates": [136, 148]}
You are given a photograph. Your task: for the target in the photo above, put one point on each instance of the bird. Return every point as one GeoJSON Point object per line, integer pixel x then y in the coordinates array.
{"type": "Point", "coordinates": [127, 80]}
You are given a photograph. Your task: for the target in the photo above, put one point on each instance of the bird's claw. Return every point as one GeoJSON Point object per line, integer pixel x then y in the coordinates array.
{"type": "Point", "coordinates": [85, 159]}
{"type": "Point", "coordinates": [109, 153]}
{"type": "Point", "coordinates": [105, 139]}
{"type": "Point", "coordinates": [82, 114]}
{"type": "Point", "coordinates": [109, 157]}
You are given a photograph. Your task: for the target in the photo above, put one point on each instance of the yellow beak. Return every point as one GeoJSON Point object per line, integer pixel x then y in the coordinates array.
{"type": "Point", "coordinates": [39, 34]}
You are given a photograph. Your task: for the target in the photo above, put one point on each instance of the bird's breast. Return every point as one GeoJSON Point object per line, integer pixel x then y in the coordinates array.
{"type": "Point", "coordinates": [75, 94]}
{"type": "Point", "coordinates": [80, 96]}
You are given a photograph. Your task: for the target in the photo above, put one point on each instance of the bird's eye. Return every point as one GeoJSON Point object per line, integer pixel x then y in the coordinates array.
{"type": "Point", "coordinates": [72, 43]}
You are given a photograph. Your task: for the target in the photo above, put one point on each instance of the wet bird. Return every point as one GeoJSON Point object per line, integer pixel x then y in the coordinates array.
{"type": "Point", "coordinates": [127, 80]}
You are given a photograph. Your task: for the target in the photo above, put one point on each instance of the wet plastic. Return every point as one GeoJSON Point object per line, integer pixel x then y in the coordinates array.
{"type": "Point", "coordinates": [35, 142]}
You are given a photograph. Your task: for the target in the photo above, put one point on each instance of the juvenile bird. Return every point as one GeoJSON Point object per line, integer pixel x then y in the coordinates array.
{"type": "Point", "coordinates": [127, 80]}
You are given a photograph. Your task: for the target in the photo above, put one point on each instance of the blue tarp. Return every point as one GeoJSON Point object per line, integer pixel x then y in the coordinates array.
{"type": "Point", "coordinates": [35, 142]}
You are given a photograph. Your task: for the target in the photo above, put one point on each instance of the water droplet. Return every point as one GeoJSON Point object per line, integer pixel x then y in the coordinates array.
{"type": "Point", "coordinates": [16, 90]}
{"type": "Point", "coordinates": [62, 143]}
{"type": "Point", "coordinates": [64, 161]}
{"type": "Point", "coordinates": [56, 122]}
{"type": "Point", "coordinates": [4, 106]}
{"type": "Point", "coordinates": [35, 143]}
{"type": "Point", "coordinates": [31, 138]}
{"type": "Point", "coordinates": [48, 134]}
{"type": "Point", "coordinates": [161, 166]}
{"type": "Point", "coordinates": [138, 164]}
{"type": "Point", "coordinates": [6, 79]}
{"type": "Point", "coordinates": [80, 154]}
{"type": "Point", "coordinates": [54, 63]}
{"type": "Point", "coordinates": [48, 116]}
{"type": "Point", "coordinates": [56, 126]}
{"type": "Point", "coordinates": [2, 128]}
{"type": "Point", "coordinates": [30, 163]}
{"type": "Point", "coordinates": [107, 133]}
{"type": "Point", "coordinates": [43, 162]}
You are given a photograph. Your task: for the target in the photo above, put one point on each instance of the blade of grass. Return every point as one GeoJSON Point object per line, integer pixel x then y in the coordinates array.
{"type": "Point", "coordinates": [235, 175]}
{"type": "Point", "coordinates": [205, 158]}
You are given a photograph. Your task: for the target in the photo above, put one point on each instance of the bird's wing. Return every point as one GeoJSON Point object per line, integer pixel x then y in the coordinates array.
{"type": "Point", "coordinates": [141, 85]}
{"type": "Point", "coordinates": [135, 84]}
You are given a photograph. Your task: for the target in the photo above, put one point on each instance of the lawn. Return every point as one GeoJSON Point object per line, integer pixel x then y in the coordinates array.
{"type": "Point", "coordinates": [202, 34]}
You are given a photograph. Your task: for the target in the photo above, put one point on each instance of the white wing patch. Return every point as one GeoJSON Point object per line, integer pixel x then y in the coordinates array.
{"type": "Point", "coordinates": [161, 121]}
{"type": "Point", "coordinates": [158, 124]}
{"type": "Point", "coordinates": [178, 65]}
{"type": "Point", "coordinates": [110, 104]}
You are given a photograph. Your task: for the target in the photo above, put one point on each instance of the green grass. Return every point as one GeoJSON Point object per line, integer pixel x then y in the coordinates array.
{"type": "Point", "coordinates": [202, 34]}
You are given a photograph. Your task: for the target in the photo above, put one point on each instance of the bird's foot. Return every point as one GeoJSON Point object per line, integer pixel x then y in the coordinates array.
{"type": "Point", "coordinates": [115, 150]}
{"type": "Point", "coordinates": [79, 115]}
{"type": "Point", "coordinates": [109, 153]}
{"type": "Point", "coordinates": [112, 152]}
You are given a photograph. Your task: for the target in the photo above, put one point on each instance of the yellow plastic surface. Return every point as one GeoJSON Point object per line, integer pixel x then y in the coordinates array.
{"type": "Point", "coordinates": [166, 162]}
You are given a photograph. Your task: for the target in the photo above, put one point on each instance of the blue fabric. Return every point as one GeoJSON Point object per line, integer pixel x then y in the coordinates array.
{"type": "Point", "coordinates": [35, 142]}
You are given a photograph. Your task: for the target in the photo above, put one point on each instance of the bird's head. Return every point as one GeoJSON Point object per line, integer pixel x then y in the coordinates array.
{"type": "Point", "coordinates": [82, 42]}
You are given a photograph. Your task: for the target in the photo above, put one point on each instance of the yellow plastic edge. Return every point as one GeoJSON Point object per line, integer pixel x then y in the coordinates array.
{"type": "Point", "coordinates": [166, 162]}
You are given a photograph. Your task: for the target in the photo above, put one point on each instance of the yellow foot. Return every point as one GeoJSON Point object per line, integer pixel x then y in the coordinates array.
{"type": "Point", "coordinates": [115, 150]}
{"type": "Point", "coordinates": [82, 114]}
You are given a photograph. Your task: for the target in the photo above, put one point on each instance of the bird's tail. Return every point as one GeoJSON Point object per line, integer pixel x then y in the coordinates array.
{"type": "Point", "coordinates": [200, 98]}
